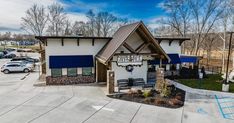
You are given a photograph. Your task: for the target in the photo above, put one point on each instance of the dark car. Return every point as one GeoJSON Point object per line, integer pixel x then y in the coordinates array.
{"type": "Point", "coordinates": [9, 55]}
{"type": "Point", "coordinates": [27, 59]}
{"type": "Point", "coordinates": [1, 55]}
{"type": "Point", "coordinates": [5, 52]}
{"type": "Point", "coordinates": [10, 49]}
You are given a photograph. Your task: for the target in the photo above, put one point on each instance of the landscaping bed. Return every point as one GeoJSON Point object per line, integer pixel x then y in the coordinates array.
{"type": "Point", "coordinates": [174, 100]}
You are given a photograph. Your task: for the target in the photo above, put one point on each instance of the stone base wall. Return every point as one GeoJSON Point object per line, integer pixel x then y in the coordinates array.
{"type": "Point", "coordinates": [65, 80]}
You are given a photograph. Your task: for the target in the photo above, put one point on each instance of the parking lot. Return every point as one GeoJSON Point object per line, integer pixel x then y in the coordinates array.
{"type": "Point", "coordinates": [21, 102]}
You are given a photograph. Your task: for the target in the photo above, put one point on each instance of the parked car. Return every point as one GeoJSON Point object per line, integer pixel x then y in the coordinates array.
{"type": "Point", "coordinates": [28, 59]}
{"type": "Point", "coordinates": [230, 76]}
{"type": "Point", "coordinates": [5, 52]}
{"type": "Point", "coordinates": [9, 55]}
{"type": "Point", "coordinates": [10, 49]}
{"type": "Point", "coordinates": [28, 64]}
{"type": "Point", "coordinates": [1, 55]}
{"type": "Point", "coordinates": [16, 67]}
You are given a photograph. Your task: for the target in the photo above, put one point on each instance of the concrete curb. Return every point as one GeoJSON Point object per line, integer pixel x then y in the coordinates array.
{"type": "Point", "coordinates": [200, 91]}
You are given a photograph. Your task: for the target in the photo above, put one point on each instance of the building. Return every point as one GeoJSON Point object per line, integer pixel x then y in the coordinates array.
{"type": "Point", "coordinates": [72, 60]}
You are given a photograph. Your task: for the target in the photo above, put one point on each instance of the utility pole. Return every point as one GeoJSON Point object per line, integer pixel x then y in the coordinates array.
{"type": "Point", "coordinates": [226, 84]}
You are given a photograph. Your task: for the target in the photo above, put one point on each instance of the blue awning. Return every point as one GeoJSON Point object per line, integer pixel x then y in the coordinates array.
{"type": "Point", "coordinates": [188, 59]}
{"type": "Point", "coordinates": [175, 59]}
{"type": "Point", "coordinates": [71, 61]}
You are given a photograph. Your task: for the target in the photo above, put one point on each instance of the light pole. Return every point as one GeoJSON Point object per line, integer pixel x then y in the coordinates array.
{"type": "Point", "coordinates": [225, 86]}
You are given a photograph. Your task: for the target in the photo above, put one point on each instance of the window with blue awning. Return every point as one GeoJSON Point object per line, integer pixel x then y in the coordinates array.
{"type": "Point", "coordinates": [175, 59]}
{"type": "Point", "coordinates": [71, 61]}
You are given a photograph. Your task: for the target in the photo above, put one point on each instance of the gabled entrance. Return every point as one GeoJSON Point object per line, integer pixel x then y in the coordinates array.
{"type": "Point", "coordinates": [133, 45]}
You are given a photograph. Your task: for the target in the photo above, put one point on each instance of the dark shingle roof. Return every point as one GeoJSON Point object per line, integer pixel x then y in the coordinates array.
{"type": "Point", "coordinates": [120, 37]}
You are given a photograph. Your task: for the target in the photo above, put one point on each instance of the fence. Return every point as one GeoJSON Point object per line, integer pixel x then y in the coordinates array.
{"type": "Point", "coordinates": [212, 69]}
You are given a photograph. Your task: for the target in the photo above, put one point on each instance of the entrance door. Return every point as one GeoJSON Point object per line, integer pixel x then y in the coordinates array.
{"type": "Point", "coordinates": [101, 72]}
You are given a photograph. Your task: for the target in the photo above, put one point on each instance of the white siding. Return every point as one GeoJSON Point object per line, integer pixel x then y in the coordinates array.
{"type": "Point", "coordinates": [173, 48]}
{"type": "Point", "coordinates": [134, 41]}
{"type": "Point", "coordinates": [70, 47]}
{"type": "Point", "coordinates": [138, 72]}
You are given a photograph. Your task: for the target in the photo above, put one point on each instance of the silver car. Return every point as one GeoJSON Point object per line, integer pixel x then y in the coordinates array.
{"type": "Point", "coordinates": [16, 67]}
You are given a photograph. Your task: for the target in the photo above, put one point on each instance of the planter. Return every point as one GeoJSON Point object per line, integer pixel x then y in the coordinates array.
{"type": "Point", "coordinates": [225, 87]}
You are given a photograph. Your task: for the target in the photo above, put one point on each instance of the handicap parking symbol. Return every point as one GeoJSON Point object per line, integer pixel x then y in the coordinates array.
{"type": "Point", "coordinates": [201, 111]}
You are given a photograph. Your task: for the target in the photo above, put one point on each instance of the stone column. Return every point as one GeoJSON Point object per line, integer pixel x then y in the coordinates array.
{"type": "Point", "coordinates": [110, 81]}
{"type": "Point", "coordinates": [159, 79]}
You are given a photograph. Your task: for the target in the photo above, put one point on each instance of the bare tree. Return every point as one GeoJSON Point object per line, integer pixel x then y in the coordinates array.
{"type": "Point", "coordinates": [57, 19]}
{"type": "Point", "coordinates": [6, 37]}
{"type": "Point", "coordinates": [98, 26]}
{"type": "Point", "coordinates": [67, 28]}
{"type": "Point", "coordinates": [210, 42]}
{"type": "Point", "coordinates": [205, 14]}
{"type": "Point", "coordinates": [35, 20]}
{"type": "Point", "coordinates": [107, 22]}
{"type": "Point", "coordinates": [91, 24]}
{"type": "Point", "coordinates": [179, 14]}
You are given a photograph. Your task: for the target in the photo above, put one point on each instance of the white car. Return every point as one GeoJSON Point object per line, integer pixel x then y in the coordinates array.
{"type": "Point", "coordinates": [16, 67]}
{"type": "Point", "coordinates": [230, 76]}
{"type": "Point", "coordinates": [28, 64]}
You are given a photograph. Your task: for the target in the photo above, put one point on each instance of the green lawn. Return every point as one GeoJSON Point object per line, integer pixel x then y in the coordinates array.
{"type": "Point", "coordinates": [1, 48]}
{"type": "Point", "coordinates": [213, 82]}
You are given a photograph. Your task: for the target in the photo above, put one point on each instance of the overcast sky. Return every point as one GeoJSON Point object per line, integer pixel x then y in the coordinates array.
{"type": "Point", "coordinates": [149, 11]}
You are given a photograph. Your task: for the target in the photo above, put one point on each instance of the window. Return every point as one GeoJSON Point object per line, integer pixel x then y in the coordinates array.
{"type": "Point", "coordinates": [56, 72]}
{"type": "Point", "coordinates": [71, 71]}
{"type": "Point", "coordinates": [87, 71]}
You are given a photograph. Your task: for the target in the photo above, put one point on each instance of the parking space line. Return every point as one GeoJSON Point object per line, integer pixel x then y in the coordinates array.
{"type": "Point", "coordinates": [230, 114]}
{"type": "Point", "coordinates": [97, 111]}
{"type": "Point", "coordinates": [220, 108]}
{"type": "Point", "coordinates": [55, 107]}
{"type": "Point", "coordinates": [21, 103]}
{"type": "Point", "coordinates": [228, 107]}
{"type": "Point", "coordinates": [227, 101]}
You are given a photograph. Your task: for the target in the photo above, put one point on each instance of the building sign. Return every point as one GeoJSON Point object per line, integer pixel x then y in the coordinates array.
{"type": "Point", "coordinates": [125, 60]}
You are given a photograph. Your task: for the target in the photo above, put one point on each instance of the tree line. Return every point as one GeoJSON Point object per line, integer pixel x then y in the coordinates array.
{"type": "Point", "coordinates": [53, 21]}
{"type": "Point", "coordinates": [16, 37]}
{"type": "Point", "coordinates": [201, 20]}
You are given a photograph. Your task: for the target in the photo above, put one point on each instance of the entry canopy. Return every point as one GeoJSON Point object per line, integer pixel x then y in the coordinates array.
{"type": "Point", "coordinates": [175, 59]}
{"type": "Point", "coordinates": [71, 61]}
{"type": "Point", "coordinates": [189, 59]}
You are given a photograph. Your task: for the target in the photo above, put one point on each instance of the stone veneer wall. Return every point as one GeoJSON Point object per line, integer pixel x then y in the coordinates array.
{"type": "Point", "coordinates": [65, 80]}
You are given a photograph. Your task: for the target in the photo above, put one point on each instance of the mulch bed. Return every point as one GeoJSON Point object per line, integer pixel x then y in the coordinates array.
{"type": "Point", "coordinates": [175, 100]}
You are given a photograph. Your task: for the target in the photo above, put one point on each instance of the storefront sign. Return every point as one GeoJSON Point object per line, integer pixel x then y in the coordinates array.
{"type": "Point", "coordinates": [125, 60]}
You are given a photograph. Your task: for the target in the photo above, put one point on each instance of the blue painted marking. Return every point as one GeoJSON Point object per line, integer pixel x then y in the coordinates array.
{"type": "Point", "coordinates": [201, 111]}
{"type": "Point", "coordinates": [226, 98]}
{"type": "Point", "coordinates": [228, 107]}
{"type": "Point", "coordinates": [227, 101]}
{"type": "Point", "coordinates": [229, 113]}
{"type": "Point", "coordinates": [220, 109]}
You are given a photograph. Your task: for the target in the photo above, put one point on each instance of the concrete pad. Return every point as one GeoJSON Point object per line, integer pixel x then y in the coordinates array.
{"type": "Point", "coordinates": [15, 99]}
{"type": "Point", "coordinates": [191, 117]}
{"type": "Point", "coordinates": [116, 112]}
{"type": "Point", "coordinates": [5, 108]}
{"type": "Point", "coordinates": [65, 90]}
{"type": "Point", "coordinates": [155, 114]}
{"type": "Point", "coordinates": [47, 100]}
{"type": "Point", "coordinates": [75, 110]}
{"type": "Point", "coordinates": [88, 92]}
{"type": "Point", "coordinates": [51, 90]}
{"type": "Point", "coordinates": [23, 114]}
{"type": "Point", "coordinates": [202, 104]}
